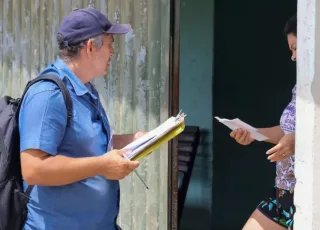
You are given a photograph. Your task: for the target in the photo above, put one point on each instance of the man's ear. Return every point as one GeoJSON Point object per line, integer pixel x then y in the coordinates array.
{"type": "Point", "coordinates": [90, 46]}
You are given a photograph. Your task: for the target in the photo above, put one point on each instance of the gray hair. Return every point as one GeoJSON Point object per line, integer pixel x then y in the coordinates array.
{"type": "Point", "coordinates": [71, 52]}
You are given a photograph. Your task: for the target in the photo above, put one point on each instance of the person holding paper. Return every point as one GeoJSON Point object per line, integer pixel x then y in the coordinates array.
{"type": "Point", "coordinates": [276, 211]}
{"type": "Point", "coordinates": [74, 168]}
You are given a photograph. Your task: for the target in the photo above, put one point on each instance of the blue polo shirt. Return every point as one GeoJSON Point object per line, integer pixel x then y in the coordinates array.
{"type": "Point", "coordinates": [90, 204]}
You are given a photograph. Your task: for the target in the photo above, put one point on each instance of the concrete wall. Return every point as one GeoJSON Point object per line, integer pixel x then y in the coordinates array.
{"type": "Point", "coordinates": [307, 154]}
{"type": "Point", "coordinates": [196, 78]}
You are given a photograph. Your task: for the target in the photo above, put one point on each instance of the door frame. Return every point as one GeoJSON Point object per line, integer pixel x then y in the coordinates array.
{"type": "Point", "coordinates": [174, 68]}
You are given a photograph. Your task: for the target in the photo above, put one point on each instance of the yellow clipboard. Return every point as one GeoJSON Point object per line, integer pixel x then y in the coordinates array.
{"type": "Point", "coordinates": [164, 139]}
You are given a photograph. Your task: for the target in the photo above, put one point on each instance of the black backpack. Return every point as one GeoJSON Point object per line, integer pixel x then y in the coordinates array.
{"type": "Point", "coordinates": [13, 200]}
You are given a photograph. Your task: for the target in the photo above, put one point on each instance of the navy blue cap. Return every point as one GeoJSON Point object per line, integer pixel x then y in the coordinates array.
{"type": "Point", "coordinates": [83, 24]}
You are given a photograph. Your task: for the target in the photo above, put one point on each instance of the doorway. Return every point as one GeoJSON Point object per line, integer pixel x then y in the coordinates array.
{"type": "Point", "coordinates": [253, 79]}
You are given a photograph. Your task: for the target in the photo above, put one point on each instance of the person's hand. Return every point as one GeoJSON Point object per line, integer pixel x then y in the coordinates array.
{"type": "Point", "coordinates": [242, 136]}
{"type": "Point", "coordinates": [283, 149]}
{"type": "Point", "coordinates": [115, 166]}
{"type": "Point", "coordinates": [138, 135]}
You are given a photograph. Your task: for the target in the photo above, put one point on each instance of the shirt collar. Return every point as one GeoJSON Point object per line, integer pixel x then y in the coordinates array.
{"type": "Point", "coordinates": [79, 88]}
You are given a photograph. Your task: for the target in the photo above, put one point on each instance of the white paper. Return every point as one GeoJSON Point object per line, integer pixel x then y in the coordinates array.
{"type": "Point", "coordinates": [237, 124]}
{"type": "Point", "coordinates": [152, 136]}
{"type": "Point", "coordinates": [140, 141]}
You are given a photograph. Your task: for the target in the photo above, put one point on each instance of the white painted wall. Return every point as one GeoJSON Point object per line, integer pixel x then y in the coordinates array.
{"type": "Point", "coordinates": [307, 165]}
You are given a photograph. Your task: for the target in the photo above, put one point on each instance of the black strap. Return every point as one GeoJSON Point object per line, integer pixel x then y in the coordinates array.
{"type": "Point", "coordinates": [66, 96]}
{"type": "Point", "coordinates": [28, 191]}
{"type": "Point", "coordinates": [65, 92]}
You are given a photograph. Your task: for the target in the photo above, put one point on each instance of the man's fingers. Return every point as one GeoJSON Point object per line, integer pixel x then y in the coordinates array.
{"type": "Point", "coordinates": [132, 165]}
{"type": "Point", "coordinates": [121, 152]}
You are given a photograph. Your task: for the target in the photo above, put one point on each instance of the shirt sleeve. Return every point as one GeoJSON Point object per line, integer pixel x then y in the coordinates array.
{"type": "Point", "coordinates": [42, 121]}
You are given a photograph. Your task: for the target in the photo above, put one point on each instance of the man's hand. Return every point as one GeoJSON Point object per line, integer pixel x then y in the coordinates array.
{"type": "Point", "coordinates": [242, 136]}
{"type": "Point", "coordinates": [283, 149]}
{"type": "Point", "coordinates": [115, 166]}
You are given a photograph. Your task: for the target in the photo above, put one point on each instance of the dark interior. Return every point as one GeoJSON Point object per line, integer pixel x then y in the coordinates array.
{"type": "Point", "coordinates": [253, 79]}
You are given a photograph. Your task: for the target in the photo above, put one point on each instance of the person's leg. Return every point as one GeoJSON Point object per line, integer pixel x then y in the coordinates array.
{"type": "Point", "coordinates": [259, 221]}
{"type": "Point", "coordinates": [273, 213]}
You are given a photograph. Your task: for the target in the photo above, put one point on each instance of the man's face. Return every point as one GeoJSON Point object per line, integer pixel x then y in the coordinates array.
{"type": "Point", "coordinates": [100, 58]}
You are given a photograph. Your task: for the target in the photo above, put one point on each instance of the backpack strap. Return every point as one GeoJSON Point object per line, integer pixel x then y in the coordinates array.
{"type": "Point", "coordinates": [28, 191]}
{"type": "Point", "coordinates": [66, 97]}
{"type": "Point", "coordinates": [65, 92]}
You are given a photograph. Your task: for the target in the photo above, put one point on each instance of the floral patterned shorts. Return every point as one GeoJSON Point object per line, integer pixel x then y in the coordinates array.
{"type": "Point", "coordinates": [279, 207]}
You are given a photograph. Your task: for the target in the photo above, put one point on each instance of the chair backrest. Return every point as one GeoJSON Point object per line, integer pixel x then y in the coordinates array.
{"type": "Point", "coordinates": [188, 142]}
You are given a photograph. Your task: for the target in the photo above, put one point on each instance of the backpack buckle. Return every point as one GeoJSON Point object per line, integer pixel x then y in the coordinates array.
{"type": "Point", "coordinates": [15, 100]}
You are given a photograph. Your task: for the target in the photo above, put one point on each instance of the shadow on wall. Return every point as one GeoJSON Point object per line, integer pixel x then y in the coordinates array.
{"type": "Point", "coordinates": [196, 212]}
{"type": "Point", "coordinates": [204, 145]}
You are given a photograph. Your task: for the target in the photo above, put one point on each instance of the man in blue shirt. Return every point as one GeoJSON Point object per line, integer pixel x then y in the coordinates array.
{"type": "Point", "coordinates": [74, 169]}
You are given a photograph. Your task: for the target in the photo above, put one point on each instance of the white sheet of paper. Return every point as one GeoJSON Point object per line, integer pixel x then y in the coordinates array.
{"type": "Point", "coordinates": [237, 124]}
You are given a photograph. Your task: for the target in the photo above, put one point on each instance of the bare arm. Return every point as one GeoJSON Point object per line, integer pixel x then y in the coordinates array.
{"type": "Point", "coordinates": [42, 169]}
{"type": "Point", "coordinates": [243, 136]}
{"type": "Point", "coordinates": [274, 133]}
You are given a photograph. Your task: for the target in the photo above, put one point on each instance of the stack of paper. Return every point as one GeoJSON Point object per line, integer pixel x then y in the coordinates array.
{"type": "Point", "coordinates": [144, 145]}
{"type": "Point", "coordinates": [238, 124]}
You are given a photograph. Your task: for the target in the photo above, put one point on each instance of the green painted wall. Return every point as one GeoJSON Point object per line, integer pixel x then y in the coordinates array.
{"type": "Point", "coordinates": [196, 77]}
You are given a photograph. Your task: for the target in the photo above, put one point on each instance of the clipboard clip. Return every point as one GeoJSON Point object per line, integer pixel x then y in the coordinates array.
{"type": "Point", "coordinates": [180, 115]}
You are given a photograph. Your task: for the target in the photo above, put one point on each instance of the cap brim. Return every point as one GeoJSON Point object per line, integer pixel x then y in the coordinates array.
{"type": "Point", "coordinates": [119, 29]}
